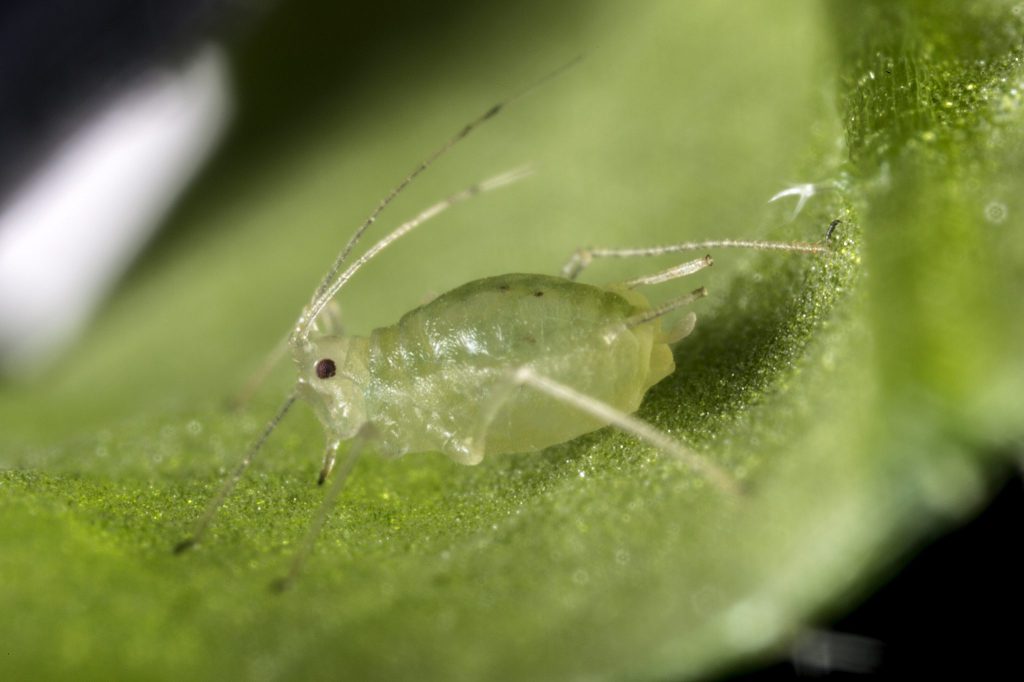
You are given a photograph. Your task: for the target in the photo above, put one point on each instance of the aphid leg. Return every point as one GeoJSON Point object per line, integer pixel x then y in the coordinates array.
{"type": "Point", "coordinates": [630, 424]}
{"type": "Point", "coordinates": [204, 521]}
{"type": "Point", "coordinates": [329, 456]}
{"type": "Point", "coordinates": [584, 257]}
{"type": "Point", "coordinates": [497, 398]}
{"type": "Point", "coordinates": [356, 446]}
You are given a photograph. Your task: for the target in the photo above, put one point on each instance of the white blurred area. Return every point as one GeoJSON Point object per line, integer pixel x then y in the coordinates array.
{"type": "Point", "coordinates": [817, 653]}
{"type": "Point", "coordinates": [73, 227]}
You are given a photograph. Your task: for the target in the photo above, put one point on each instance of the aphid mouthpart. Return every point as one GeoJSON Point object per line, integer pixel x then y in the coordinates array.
{"type": "Point", "coordinates": [325, 368]}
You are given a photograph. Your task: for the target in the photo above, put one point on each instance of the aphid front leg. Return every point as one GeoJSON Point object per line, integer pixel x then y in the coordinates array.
{"type": "Point", "coordinates": [330, 455]}
{"type": "Point", "coordinates": [526, 376]}
{"type": "Point", "coordinates": [356, 447]}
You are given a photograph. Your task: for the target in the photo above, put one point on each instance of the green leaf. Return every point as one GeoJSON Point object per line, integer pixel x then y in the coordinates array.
{"type": "Point", "coordinates": [865, 398]}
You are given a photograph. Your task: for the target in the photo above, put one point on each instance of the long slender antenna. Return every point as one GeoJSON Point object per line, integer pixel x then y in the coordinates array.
{"type": "Point", "coordinates": [204, 521]}
{"type": "Point", "coordinates": [490, 113]}
{"type": "Point", "coordinates": [320, 302]}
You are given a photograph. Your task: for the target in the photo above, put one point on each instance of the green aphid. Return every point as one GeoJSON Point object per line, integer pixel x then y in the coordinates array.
{"type": "Point", "coordinates": [513, 363]}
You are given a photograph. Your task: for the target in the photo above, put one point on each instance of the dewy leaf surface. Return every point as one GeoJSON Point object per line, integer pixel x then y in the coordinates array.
{"type": "Point", "coordinates": [863, 397]}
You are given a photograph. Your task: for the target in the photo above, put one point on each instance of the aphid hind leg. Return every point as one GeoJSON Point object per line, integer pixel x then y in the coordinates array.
{"type": "Point", "coordinates": [584, 257]}
{"type": "Point", "coordinates": [330, 455]}
{"type": "Point", "coordinates": [525, 376]}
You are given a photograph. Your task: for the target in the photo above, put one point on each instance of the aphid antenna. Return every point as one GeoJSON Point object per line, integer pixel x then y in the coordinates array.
{"type": "Point", "coordinates": [328, 287]}
{"type": "Point", "coordinates": [316, 306]}
{"type": "Point", "coordinates": [310, 314]}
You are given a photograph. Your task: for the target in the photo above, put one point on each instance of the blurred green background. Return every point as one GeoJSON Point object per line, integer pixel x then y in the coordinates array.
{"type": "Point", "coordinates": [868, 399]}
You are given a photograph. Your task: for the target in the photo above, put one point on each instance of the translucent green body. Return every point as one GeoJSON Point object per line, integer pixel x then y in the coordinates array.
{"type": "Point", "coordinates": [441, 379]}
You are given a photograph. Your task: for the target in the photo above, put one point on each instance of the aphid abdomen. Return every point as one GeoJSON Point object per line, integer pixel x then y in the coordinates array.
{"type": "Point", "coordinates": [439, 375]}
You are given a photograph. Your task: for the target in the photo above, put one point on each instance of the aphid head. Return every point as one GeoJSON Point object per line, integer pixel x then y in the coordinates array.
{"type": "Point", "coordinates": [332, 376]}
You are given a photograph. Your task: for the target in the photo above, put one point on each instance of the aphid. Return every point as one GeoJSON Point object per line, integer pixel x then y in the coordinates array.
{"type": "Point", "coordinates": [505, 364]}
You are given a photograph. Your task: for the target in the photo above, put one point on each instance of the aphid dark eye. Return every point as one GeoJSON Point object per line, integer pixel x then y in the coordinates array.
{"type": "Point", "coordinates": [326, 368]}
